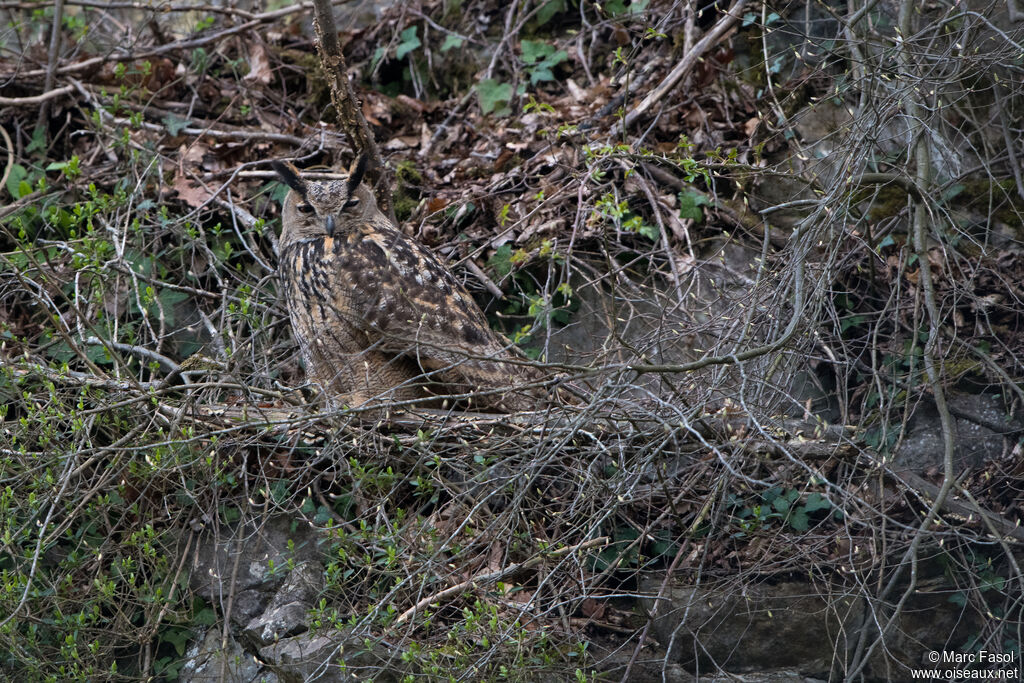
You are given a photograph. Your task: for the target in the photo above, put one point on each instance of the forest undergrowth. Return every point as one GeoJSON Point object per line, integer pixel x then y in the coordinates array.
{"type": "Point", "coordinates": [692, 211]}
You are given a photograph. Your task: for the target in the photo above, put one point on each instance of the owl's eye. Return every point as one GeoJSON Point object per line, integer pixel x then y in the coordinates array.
{"type": "Point", "coordinates": [351, 203]}
{"type": "Point", "coordinates": [305, 208]}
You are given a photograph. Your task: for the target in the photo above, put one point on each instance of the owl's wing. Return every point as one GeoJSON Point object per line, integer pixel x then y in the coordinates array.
{"type": "Point", "coordinates": [419, 309]}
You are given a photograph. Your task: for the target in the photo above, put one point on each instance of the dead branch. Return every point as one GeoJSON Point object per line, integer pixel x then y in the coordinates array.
{"type": "Point", "coordinates": [495, 576]}
{"type": "Point", "coordinates": [346, 106]}
{"type": "Point", "coordinates": [36, 99]}
{"type": "Point", "coordinates": [688, 61]}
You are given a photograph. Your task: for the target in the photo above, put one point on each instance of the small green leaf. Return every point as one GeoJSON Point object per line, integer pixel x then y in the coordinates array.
{"type": "Point", "coordinates": [535, 50]}
{"type": "Point", "coordinates": [549, 9]}
{"type": "Point", "coordinates": [451, 41]}
{"type": "Point", "coordinates": [649, 231]}
{"type": "Point", "coordinates": [175, 124]}
{"type": "Point", "coordinates": [951, 193]}
{"type": "Point", "coordinates": [541, 74]}
{"type": "Point", "coordinates": [494, 97]}
{"type": "Point", "coordinates": [690, 202]}
{"type": "Point", "coordinates": [410, 41]}
{"type": "Point", "coordinates": [816, 501]}
{"type": "Point", "coordinates": [799, 521]}
{"type": "Point", "coordinates": [501, 262]}
{"type": "Point", "coordinates": [614, 7]}
{"type": "Point", "coordinates": [178, 637]}
{"type": "Point", "coordinates": [14, 180]}
{"type": "Point", "coordinates": [378, 55]}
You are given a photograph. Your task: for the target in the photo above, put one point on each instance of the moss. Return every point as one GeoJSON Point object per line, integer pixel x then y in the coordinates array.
{"type": "Point", "coordinates": [889, 201]}
{"type": "Point", "coordinates": [1007, 205]}
{"type": "Point", "coordinates": [406, 174]}
{"type": "Point", "coordinates": [407, 189]}
{"type": "Point", "coordinates": [404, 206]}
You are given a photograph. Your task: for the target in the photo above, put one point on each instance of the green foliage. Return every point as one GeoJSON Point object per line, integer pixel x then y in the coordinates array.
{"type": "Point", "coordinates": [549, 9]}
{"type": "Point", "coordinates": [619, 8]}
{"type": "Point", "coordinates": [690, 202]}
{"type": "Point", "coordinates": [408, 42]}
{"type": "Point", "coordinates": [501, 261]}
{"type": "Point", "coordinates": [451, 41]}
{"type": "Point", "coordinates": [494, 97]}
{"type": "Point", "coordinates": [782, 506]}
{"type": "Point", "coordinates": [540, 59]}
{"type": "Point", "coordinates": [619, 215]}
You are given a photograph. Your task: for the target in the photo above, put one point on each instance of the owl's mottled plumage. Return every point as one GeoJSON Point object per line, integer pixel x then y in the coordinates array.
{"type": "Point", "coordinates": [373, 311]}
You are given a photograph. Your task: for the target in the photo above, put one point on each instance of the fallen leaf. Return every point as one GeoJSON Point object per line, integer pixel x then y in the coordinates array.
{"type": "Point", "coordinates": [259, 64]}
{"type": "Point", "coordinates": [191, 193]}
{"type": "Point", "coordinates": [592, 608]}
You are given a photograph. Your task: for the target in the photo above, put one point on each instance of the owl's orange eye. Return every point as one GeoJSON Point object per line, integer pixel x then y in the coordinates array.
{"type": "Point", "coordinates": [305, 208]}
{"type": "Point", "coordinates": [351, 203]}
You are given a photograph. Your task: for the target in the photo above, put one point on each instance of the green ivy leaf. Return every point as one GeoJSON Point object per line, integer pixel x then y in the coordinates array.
{"type": "Point", "coordinates": [15, 179]}
{"type": "Point", "coordinates": [799, 521]}
{"type": "Point", "coordinates": [690, 202]}
{"type": "Point", "coordinates": [451, 41]}
{"type": "Point", "coordinates": [494, 97]}
{"type": "Point", "coordinates": [816, 501]}
{"type": "Point", "coordinates": [410, 41]}
{"type": "Point", "coordinates": [501, 262]}
{"type": "Point", "coordinates": [175, 124]}
{"type": "Point", "coordinates": [178, 637]}
{"type": "Point", "coordinates": [549, 9]}
{"type": "Point", "coordinates": [649, 231]}
{"type": "Point", "coordinates": [535, 50]}
{"type": "Point", "coordinates": [614, 7]}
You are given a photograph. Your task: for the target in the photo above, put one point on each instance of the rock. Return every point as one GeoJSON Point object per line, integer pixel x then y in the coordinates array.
{"type": "Point", "coordinates": [288, 612]}
{"type": "Point", "coordinates": [204, 660]}
{"type": "Point", "coordinates": [791, 630]}
{"type": "Point", "coordinates": [263, 556]}
{"type": "Point", "coordinates": [982, 424]}
{"type": "Point", "coordinates": [332, 657]}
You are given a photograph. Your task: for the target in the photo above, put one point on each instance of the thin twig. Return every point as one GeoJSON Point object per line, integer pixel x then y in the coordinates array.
{"type": "Point", "coordinates": [688, 62]}
{"type": "Point", "coordinates": [36, 99]}
{"type": "Point", "coordinates": [495, 576]}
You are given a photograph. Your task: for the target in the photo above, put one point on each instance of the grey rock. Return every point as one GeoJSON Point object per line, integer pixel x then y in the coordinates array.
{"type": "Point", "coordinates": [790, 630]}
{"type": "Point", "coordinates": [287, 614]}
{"type": "Point", "coordinates": [982, 423]}
{"type": "Point", "coordinates": [333, 657]}
{"type": "Point", "coordinates": [262, 552]}
{"type": "Point", "coordinates": [205, 659]}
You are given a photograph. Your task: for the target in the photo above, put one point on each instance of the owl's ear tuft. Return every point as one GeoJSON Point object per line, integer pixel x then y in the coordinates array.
{"type": "Point", "coordinates": [290, 176]}
{"type": "Point", "coordinates": [356, 176]}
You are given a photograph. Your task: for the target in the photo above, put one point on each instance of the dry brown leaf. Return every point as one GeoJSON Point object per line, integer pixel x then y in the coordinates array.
{"type": "Point", "coordinates": [192, 194]}
{"type": "Point", "coordinates": [548, 227]}
{"type": "Point", "coordinates": [576, 92]}
{"type": "Point", "coordinates": [259, 64]}
{"type": "Point", "coordinates": [412, 102]}
{"type": "Point", "coordinates": [592, 608]}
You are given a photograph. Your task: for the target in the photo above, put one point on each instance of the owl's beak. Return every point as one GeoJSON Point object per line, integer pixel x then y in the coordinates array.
{"type": "Point", "coordinates": [330, 226]}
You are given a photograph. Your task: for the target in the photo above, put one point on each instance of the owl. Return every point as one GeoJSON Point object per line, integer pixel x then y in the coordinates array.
{"type": "Point", "coordinates": [377, 316]}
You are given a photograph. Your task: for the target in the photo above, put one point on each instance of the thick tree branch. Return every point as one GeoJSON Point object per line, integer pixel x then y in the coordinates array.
{"type": "Point", "coordinates": [350, 114]}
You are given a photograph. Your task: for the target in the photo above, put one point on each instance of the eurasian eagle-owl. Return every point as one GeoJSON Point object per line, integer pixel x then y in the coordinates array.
{"type": "Point", "coordinates": [377, 317]}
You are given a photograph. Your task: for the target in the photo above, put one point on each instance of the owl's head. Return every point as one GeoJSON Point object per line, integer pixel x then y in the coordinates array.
{"type": "Point", "coordinates": [317, 209]}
